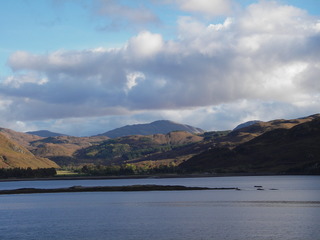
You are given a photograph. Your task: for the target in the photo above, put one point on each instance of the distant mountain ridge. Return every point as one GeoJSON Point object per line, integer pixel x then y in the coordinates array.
{"type": "Point", "coordinates": [157, 127]}
{"type": "Point", "coordinates": [46, 133]}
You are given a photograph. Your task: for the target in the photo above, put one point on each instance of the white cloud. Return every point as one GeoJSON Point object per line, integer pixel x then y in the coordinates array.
{"type": "Point", "coordinates": [270, 17]}
{"type": "Point", "coordinates": [219, 27]}
{"type": "Point", "coordinates": [145, 45]}
{"type": "Point", "coordinates": [133, 78]}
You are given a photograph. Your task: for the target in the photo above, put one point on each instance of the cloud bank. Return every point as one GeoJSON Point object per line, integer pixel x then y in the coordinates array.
{"type": "Point", "coordinates": [265, 55]}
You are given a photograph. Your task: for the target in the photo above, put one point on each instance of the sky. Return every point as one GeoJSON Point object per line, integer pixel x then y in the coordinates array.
{"type": "Point", "coordinates": [84, 67]}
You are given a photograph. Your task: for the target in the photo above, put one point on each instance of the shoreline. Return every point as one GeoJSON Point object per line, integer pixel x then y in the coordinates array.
{"type": "Point", "coordinates": [159, 176]}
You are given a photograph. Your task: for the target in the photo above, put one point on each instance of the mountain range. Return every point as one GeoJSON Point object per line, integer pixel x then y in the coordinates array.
{"type": "Point", "coordinates": [278, 146]}
{"type": "Point", "coordinates": [156, 127]}
{"type": "Point", "coordinates": [65, 150]}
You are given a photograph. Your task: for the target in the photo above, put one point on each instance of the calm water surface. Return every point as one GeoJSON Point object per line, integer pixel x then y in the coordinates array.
{"type": "Point", "coordinates": [291, 212]}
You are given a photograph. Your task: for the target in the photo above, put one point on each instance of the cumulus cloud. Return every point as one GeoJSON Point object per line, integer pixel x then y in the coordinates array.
{"type": "Point", "coordinates": [133, 79]}
{"type": "Point", "coordinates": [268, 53]}
{"type": "Point", "coordinates": [145, 45]}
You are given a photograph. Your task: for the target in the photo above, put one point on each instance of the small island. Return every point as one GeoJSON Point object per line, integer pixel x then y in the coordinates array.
{"type": "Point", "coordinates": [132, 188]}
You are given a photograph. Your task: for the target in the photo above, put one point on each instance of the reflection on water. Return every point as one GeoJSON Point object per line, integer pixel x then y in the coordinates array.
{"type": "Point", "coordinates": [292, 212]}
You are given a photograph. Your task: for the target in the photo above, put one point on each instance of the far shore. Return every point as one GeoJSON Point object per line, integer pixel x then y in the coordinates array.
{"type": "Point", "coordinates": [193, 175]}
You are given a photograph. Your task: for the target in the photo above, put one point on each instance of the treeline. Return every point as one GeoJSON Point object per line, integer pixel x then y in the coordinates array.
{"type": "Point", "coordinates": [27, 172]}
{"type": "Point", "coordinates": [127, 169]}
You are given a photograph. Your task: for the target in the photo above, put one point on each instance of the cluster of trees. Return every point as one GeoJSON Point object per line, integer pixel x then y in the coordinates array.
{"type": "Point", "coordinates": [27, 172]}
{"type": "Point", "coordinates": [127, 169]}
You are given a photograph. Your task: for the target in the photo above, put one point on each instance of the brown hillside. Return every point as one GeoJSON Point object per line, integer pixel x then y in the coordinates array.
{"type": "Point", "coordinates": [63, 145]}
{"type": "Point", "coordinates": [23, 139]}
{"type": "Point", "coordinates": [14, 155]}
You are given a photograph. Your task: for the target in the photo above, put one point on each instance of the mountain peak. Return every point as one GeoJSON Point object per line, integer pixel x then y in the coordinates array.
{"type": "Point", "coordinates": [159, 126]}
{"type": "Point", "coordinates": [45, 133]}
{"type": "Point", "coordinates": [246, 124]}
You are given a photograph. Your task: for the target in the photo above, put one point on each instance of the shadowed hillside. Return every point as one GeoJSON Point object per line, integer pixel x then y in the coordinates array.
{"type": "Point", "coordinates": [289, 150]}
